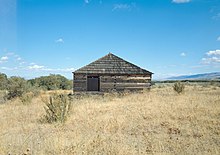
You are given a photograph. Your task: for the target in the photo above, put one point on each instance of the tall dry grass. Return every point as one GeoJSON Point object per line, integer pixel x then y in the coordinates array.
{"type": "Point", "coordinates": [155, 122]}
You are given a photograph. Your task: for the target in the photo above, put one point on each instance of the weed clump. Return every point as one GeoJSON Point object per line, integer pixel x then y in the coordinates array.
{"type": "Point", "coordinates": [57, 108]}
{"type": "Point", "coordinates": [178, 87]}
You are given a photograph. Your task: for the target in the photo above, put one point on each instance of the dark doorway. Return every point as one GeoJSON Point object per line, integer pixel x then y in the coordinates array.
{"type": "Point", "coordinates": [93, 83]}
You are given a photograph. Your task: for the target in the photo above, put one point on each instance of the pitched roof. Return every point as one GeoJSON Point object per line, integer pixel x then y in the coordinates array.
{"type": "Point", "coordinates": [112, 64]}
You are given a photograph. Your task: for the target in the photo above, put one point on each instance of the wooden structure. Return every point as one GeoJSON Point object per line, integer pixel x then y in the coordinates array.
{"type": "Point", "coordinates": [111, 73]}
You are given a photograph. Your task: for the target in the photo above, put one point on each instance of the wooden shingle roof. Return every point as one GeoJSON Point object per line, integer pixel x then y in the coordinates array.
{"type": "Point", "coordinates": [112, 64]}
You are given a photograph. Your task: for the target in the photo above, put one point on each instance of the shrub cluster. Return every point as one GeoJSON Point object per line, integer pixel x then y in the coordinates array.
{"type": "Point", "coordinates": [27, 89]}
{"type": "Point", "coordinates": [27, 98]}
{"type": "Point", "coordinates": [3, 97]}
{"type": "Point", "coordinates": [3, 81]}
{"type": "Point", "coordinates": [16, 87]}
{"type": "Point", "coordinates": [178, 87]}
{"type": "Point", "coordinates": [51, 82]}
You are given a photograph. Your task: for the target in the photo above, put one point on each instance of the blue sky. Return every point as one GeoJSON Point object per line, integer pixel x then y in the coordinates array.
{"type": "Point", "coordinates": [167, 37]}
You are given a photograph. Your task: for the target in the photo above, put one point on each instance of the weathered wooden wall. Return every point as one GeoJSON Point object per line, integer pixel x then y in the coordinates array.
{"type": "Point", "coordinates": [79, 83]}
{"type": "Point", "coordinates": [121, 83]}
{"type": "Point", "coordinates": [113, 83]}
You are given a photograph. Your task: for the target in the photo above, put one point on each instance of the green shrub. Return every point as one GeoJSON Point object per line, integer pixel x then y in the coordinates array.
{"type": "Point", "coordinates": [27, 98]}
{"type": "Point", "coordinates": [178, 87]}
{"type": "Point", "coordinates": [3, 97]}
{"type": "Point", "coordinates": [52, 82]}
{"type": "Point", "coordinates": [57, 108]}
{"type": "Point", "coordinates": [35, 90]}
{"type": "Point", "coordinates": [16, 87]}
{"type": "Point", "coordinates": [3, 81]}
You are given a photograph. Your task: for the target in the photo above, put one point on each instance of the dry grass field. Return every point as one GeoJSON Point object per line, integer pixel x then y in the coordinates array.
{"type": "Point", "coordinates": [155, 122]}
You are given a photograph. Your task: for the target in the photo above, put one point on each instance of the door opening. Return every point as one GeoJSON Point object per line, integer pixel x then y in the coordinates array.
{"type": "Point", "coordinates": [93, 83]}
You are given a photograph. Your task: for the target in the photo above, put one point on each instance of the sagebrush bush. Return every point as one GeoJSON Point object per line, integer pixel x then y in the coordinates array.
{"type": "Point", "coordinates": [27, 98]}
{"type": "Point", "coordinates": [178, 87]}
{"type": "Point", "coordinates": [35, 91]}
{"type": "Point", "coordinates": [57, 108]}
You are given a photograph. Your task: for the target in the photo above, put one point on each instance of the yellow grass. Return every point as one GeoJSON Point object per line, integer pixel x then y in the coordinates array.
{"type": "Point", "coordinates": [155, 122]}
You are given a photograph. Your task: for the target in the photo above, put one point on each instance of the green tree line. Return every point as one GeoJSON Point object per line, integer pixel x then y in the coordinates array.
{"type": "Point", "coordinates": [51, 82]}
{"type": "Point", "coordinates": [17, 86]}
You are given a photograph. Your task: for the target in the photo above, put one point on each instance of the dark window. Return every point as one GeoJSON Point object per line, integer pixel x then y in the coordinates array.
{"type": "Point", "coordinates": [93, 83]}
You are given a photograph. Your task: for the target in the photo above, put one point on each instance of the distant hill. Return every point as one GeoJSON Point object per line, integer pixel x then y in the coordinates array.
{"type": "Point", "coordinates": [205, 76]}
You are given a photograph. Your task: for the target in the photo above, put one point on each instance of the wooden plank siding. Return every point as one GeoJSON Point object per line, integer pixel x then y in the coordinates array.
{"type": "Point", "coordinates": [121, 83]}
{"type": "Point", "coordinates": [79, 83]}
{"type": "Point", "coordinates": [110, 82]}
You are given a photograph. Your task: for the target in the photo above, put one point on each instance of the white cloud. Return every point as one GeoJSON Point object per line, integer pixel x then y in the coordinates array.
{"type": "Point", "coordinates": [212, 57]}
{"type": "Point", "coordinates": [87, 1]}
{"type": "Point", "coordinates": [36, 67]}
{"type": "Point", "coordinates": [68, 69]}
{"type": "Point", "coordinates": [123, 6]}
{"type": "Point", "coordinates": [181, 1]}
{"type": "Point", "coordinates": [21, 66]}
{"type": "Point", "coordinates": [4, 58]}
{"type": "Point", "coordinates": [58, 69]}
{"type": "Point", "coordinates": [43, 68]}
{"type": "Point", "coordinates": [182, 54]}
{"type": "Point", "coordinates": [60, 40]}
{"type": "Point", "coordinates": [216, 52]}
{"type": "Point", "coordinates": [12, 56]}
{"type": "Point", "coordinates": [4, 68]}
{"type": "Point", "coordinates": [8, 69]}
{"type": "Point", "coordinates": [218, 39]}
{"type": "Point", "coordinates": [211, 60]}
{"type": "Point", "coordinates": [18, 58]}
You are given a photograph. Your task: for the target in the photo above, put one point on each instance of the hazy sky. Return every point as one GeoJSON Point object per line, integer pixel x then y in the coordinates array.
{"type": "Point", "coordinates": [166, 37]}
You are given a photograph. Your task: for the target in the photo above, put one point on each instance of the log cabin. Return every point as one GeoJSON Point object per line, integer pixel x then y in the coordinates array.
{"type": "Point", "coordinates": [111, 73]}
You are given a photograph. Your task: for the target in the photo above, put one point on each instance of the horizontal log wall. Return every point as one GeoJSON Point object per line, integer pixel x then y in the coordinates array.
{"type": "Point", "coordinates": [80, 83]}
{"type": "Point", "coordinates": [121, 83]}
{"type": "Point", "coordinates": [113, 83]}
